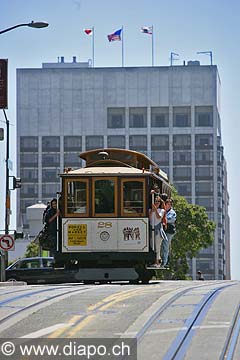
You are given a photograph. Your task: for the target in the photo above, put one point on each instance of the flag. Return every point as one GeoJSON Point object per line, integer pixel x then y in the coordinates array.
{"type": "Point", "coordinates": [116, 36]}
{"type": "Point", "coordinates": [88, 31]}
{"type": "Point", "coordinates": [147, 30]}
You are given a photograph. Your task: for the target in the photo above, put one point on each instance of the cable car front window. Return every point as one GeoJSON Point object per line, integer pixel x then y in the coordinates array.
{"type": "Point", "coordinates": [104, 195]}
{"type": "Point", "coordinates": [76, 197]}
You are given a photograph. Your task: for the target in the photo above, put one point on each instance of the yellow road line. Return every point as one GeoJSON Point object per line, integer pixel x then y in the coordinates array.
{"type": "Point", "coordinates": [76, 322]}
{"type": "Point", "coordinates": [81, 325]}
{"type": "Point", "coordinates": [112, 297]}
{"type": "Point", "coordinates": [61, 330]}
{"type": "Point", "coordinates": [102, 306]}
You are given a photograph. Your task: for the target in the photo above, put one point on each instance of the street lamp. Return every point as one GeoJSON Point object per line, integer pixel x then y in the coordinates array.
{"type": "Point", "coordinates": [37, 25]}
{"type": "Point", "coordinates": [4, 255]}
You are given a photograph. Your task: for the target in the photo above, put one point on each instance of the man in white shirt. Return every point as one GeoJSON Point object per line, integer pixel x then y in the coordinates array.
{"type": "Point", "coordinates": [155, 216]}
{"type": "Point", "coordinates": [171, 229]}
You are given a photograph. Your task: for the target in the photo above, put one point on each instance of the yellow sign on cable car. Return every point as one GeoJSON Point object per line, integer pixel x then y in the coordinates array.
{"type": "Point", "coordinates": [77, 234]}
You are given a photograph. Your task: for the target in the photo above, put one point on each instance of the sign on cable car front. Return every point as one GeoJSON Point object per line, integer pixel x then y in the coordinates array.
{"type": "Point", "coordinates": [77, 234]}
{"type": "Point", "coordinates": [107, 234]}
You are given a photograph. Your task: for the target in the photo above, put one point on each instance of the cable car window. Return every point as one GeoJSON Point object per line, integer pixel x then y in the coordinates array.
{"type": "Point", "coordinates": [104, 202]}
{"type": "Point", "coordinates": [77, 197]}
{"type": "Point", "coordinates": [133, 195]}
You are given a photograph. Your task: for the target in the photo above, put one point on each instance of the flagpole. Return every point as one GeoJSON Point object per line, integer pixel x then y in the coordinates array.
{"type": "Point", "coordinates": [122, 49]}
{"type": "Point", "coordinates": [93, 46]}
{"type": "Point", "coordinates": [152, 48]}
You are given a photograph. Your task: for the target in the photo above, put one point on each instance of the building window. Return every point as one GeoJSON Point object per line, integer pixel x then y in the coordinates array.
{"type": "Point", "coordinates": [220, 157]}
{"type": "Point", "coordinates": [50, 175]}
{"type": "Point", "coordinates": [29, 160]}
{"type": "Point", "coordinates": [116, 141]}
{"type": "Point", "coordinates": [94, 142]}
{"type": "Point", "coordinates": [115, 118]}
{"type": "Point", "coordinates": [50, 190]}
{"type": "Point", "coordinates": [182, 173]}
{"type": "Point", "coordinates": [204, 157]}
{"type": "Point", "coordinates": [137, 117]}
{"type": "Point", "coordinates": [204, 188]}
{"type": "Point", "coordinates": [204, 172]}
{"type": "Point", "coordinates": [211, 216]}
{"type": "Point", "coordinates": [29, 175]}
{"type": "Point", "coordinates": [29, 191]}
{"type": "Point", "coordinates": [207, 202]}
{"type": "Point", "coordinates": [160, 157]}
{"type": "Point", "coordinates": [220, 188]}
{"type": "Point", "coordinates": [138, 142]}
{"type": "Point", "coordinates": [220, 204]}
{"type": "Point", "coordinates": [203, 116]}
{"type": "Point", "coordinates": [72, 160]}
{"type": "Point", "coordinates": [28, 144]}
{"type": "Point", "coordinates": [204, 141]}
{"type": "Point", "coordinates": [181, 158]}
{"type": "Point", "coordinates": [50, 143]}
{"type": "Point", "coordinates": [160, 142]}
{"type": "Point", "coordinates": [205, 265]}
{"type": "Point", "coordinates": [219, 173]}
{"type": "Point", "coordinates": [181, 116]}
{"type": "Point", "coordinates": [50, 160]}
{"type": "Point", "coordinates": [182, 142]}
{"type": "Point", "coordinates": [184, 188]}
{"type": "Point", "coordinates": [159, 117]}
{"type": "Point", "coordinates": [72, 143]}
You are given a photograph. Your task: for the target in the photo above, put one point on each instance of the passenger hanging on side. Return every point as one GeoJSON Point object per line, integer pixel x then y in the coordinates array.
{"type": "Point", "coordinates": [171, 224]}
{"type": "Point", "coordinates": [51, 223]}
{"type": "Point", "coordinates": [156, 214]}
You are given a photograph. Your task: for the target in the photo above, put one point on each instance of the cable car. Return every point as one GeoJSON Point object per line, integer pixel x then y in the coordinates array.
{"type": "Point", "coordinates": [104, 230]}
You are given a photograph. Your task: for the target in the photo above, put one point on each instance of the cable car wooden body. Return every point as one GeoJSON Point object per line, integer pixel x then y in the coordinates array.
{"type": "Point", "coordinates": [104, 230]}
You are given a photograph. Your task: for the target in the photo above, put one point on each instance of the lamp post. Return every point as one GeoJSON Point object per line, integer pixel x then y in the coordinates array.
{"type": "Point", "coordinates": [37, 25]}
{"type": "Point", "coordinates": [4, 254]}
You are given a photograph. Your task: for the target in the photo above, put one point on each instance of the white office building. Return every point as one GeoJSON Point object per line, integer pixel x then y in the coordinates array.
{"type": "Point", "coordinates": [170, 113]}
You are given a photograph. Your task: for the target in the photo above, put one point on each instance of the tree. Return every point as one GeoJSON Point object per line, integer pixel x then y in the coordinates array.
{"type": "Point", "coordinates": [32, 250]}
{"type": "Point", "coordinates": [194, 232]}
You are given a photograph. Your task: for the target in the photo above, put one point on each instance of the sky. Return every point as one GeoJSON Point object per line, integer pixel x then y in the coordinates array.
{"type": "Point", "coordinates": [183, 27]}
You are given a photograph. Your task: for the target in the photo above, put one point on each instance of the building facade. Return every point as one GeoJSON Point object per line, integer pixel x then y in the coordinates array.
{"type": "Point", "coordinates": [169, 113]}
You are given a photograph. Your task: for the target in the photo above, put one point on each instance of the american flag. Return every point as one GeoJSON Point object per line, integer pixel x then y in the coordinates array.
{"type": "Point", "coordinates": [147, 30]}
{"type": "Point", "coordinates": [116, 36]}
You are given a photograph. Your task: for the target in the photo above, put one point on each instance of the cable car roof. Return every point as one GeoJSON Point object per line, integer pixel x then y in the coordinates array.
{"type": "Point", "coordinates": [128, 157]}
{"type": "Point", "coordinates": [105, 170]}
{"type": "Point", "coordinates": [115, 161]}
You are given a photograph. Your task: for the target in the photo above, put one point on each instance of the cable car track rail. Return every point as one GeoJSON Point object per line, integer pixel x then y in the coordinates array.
{"type": "Point", "coordinates": [232, 338]}
{"type": "Point", "coordinates": [180, 344]}
{"type": "Point", "coordinates": [37, 303]}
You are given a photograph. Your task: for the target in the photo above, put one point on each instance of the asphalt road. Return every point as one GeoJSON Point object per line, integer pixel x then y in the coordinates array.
{"type": "Point", "coordinates": [169, 319]}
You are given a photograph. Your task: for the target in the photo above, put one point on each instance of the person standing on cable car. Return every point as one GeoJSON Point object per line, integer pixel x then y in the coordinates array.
{"type": "Point", "coordinates": [171, 226]}
{"type": "Point", "coordinates": [156, 213]}
{"type": "Point", "coordinates": [51, 222]}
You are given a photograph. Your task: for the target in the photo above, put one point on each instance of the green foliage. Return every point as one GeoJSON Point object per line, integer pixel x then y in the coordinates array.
{"type": "Point", "coordinates": [194, 232]}
{"type": "Point", "coordinates": [32, 250]}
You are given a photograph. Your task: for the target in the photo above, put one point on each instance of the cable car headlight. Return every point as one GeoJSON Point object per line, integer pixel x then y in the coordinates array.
{"type": "Point", "coordinates": [104, 236]}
